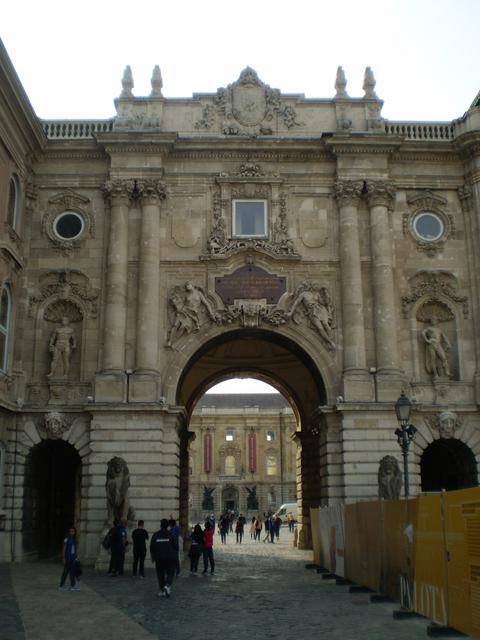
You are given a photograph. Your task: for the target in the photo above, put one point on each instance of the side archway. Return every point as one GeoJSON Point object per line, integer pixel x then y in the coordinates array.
{"type": "Point", "coordinates": [448, 464]}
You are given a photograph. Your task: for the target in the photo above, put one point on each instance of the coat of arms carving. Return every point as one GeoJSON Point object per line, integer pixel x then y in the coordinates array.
{"type": "Point", "coordinates": [247, 108]}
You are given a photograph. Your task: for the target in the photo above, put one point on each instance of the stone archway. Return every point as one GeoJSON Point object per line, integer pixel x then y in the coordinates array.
{"type": "Point", "coordinates": [51, 501]}
{"type": "Point", "coordinates": [288, 367]}
{"type": "Point", "coordinates": [448, 464]}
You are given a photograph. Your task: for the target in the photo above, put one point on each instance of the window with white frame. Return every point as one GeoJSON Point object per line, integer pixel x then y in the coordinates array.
{"type": "Point", "coordinates": [5, 313]}
{"type": "Point", "coordinates": [229, 435]}
{"type": "Point", "coordinates": [13, 201]}
{"type": "Point", "coordinates": [249, 219]}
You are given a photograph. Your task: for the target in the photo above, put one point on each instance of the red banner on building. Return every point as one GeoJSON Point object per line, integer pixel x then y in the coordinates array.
{"type": "Point", "coordinates": [207, 452]}
{"type": "Point", "coordinates": [252, 452]}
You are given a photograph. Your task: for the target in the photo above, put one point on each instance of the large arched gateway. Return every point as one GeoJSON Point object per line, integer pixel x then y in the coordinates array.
{"type": "Point", "coordinates": [310, 243]}
{"type": "Point", "coordinates": [286, 365]}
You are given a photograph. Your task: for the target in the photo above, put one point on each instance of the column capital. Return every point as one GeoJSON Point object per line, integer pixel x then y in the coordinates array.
{"type": "Point", "coordinates": [348, 192]}
{"type": "Point", "coordinates": [150, 191]}
{"type": "Point", "coordinates": [119, 190]}
{"type": "Point", "coordinates": [380, 193]}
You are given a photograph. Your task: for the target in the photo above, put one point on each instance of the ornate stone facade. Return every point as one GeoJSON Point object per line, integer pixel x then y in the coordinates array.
{"type": "Point", "coordinates": [311, 243]}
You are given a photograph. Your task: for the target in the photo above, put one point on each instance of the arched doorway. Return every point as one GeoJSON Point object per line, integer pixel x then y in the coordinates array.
{"type": "Point", "coordinates": [230, 499]}
{"type": "Point", "coordinates": [285, 365]}
{"type": "Point", "coordinates": [448, 464]}
{"type": "Point", "coordinates": [52, 489]}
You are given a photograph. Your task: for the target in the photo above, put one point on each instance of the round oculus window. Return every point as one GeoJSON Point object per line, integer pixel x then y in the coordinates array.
{"type": "Point", "coordinates": [68, 225]}
{"type": "Point", "coordinates": [428, 226]}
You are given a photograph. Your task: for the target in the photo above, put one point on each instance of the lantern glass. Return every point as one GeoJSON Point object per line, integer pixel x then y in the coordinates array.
{"type": "Point", "coordinates": [403, 407]}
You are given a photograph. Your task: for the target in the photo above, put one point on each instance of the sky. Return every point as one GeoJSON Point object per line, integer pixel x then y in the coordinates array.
{"type": "Point", "coordinates": [70, 57]}
{"type": "Point", "coordinates": [242, 385]}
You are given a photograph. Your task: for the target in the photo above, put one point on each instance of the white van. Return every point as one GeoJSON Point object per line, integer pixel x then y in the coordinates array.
{"type": "Point", "coordinates": [285, 509]}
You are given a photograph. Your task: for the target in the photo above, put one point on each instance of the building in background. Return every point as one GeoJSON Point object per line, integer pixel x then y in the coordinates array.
{"type": "Point", "coordinates": [243, 456]}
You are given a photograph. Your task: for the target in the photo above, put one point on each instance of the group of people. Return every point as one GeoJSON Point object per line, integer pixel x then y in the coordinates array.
{"type": "Point", "coordinates": [164, 546]}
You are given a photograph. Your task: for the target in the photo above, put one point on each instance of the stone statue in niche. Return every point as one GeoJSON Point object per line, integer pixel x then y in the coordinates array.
{"type": "Point", "coordinates": [389, 479]}
{"type": "Point", "coordinates": [436, 347]}
{"type": "Point", "coordinates": [187, 304]}
{"type": "Point", "coordinates": [207, 501]}
{"type": "Point", "coordinates": [446, 423]}
{"type": "Point", "coordinates": [61, 345]}
{"type": "Point", "coordinates": [116, 487]}
{"type": "Point", "coordinates": [252, 500]}
{"type": "Point", "coordinates": [318, 309]}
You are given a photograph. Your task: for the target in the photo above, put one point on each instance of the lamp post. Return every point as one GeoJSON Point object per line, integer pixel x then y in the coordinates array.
{"type": "Point", "coordinates": [405, 434]}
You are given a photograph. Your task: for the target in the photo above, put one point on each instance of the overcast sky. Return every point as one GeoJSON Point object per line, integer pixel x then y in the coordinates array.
{"type": "Point", "coordinates": [70, 56]}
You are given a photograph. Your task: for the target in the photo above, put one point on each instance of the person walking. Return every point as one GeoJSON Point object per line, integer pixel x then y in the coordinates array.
{"type": "Point", "coordinates": [258, 528]}
{"type": "Point", "coordinates": [208, 549]}
{"type": "Point", "coordinates": [164, 553]}
{"type": "Point", "coordinates": [175, 530]}
{"type": "Point", "coordinates": [271, 528]}
{"type": "Point", "coordinates": [139, 539]}
{"type": "Point", "coordinates": [252, 528]}
{"type": "Point", "coordinates": [117, 549]}
{"type": "Point", "coordinates": [267, 528]}
{"type": "Point", "coordinates": [239, 528]}
{"type": "Point", "coordinates": [69, 558]}
{"type": "Point", "coordinates": [277, 523]}
{"type": "Point", "coordinates": [196, 548]}
{"type": "Point", "coordinates": [223, 525]}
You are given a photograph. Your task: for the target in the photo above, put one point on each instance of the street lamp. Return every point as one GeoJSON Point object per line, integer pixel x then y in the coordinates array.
{"type": "Point", "coordinates": [405, 434]}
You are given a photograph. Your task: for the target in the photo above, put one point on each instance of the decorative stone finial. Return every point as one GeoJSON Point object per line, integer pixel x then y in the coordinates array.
{"type": "Point", "coordinates": [340, 84]}
{"type": "Point", "coordinates": [369, 83]}
{"type": "Point", "coordinates": [157, 83]}
{"type": "Point", "coordinates": [127, 83]}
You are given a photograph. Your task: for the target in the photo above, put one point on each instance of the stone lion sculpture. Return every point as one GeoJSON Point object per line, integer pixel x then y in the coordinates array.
{"type": "Point", "coordinates": [116, 487]}
{"type": "Point", "coordinates": [389, 479]}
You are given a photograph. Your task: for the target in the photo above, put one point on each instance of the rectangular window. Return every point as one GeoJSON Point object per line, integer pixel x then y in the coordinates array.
{"type": "Point", "coordinates": [229, 435]}
{"type": "Point", "coordinates": [249, 219]}
{"type": "Point", "coordinates": [270, 436]}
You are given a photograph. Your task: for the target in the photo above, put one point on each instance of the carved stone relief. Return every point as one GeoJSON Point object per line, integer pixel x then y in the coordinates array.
{"type": "Point", "coordinates": [68, 201]}
{"type": "Point", "coordinates": [434, 284]}
{"type": "Point", "coordinates": [445, 422]}
{"type": "Point", "coordinates": [247, 107]}
{"type": "Point", "coordinates": [55, 424]}
{"type": "Point", "coordinates": [70, 285]}
{"type": "Point", "coordinates": [191, 307]}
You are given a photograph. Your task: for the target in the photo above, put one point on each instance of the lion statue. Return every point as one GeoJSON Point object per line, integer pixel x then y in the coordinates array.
{"type": "Point", "coordinates": [389, 478]}
{"type": "Point", "coordinates": [116, 487]}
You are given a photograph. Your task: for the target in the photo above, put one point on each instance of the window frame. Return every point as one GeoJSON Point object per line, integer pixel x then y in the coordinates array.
{"type": "Point", "coordinates": [267, 434]}
{"type": "Point", "coordinates": [13, 222]}
{"type": "Point", "coordinates": [421, 214]}
{"type": "Point", "coordinates": [68, 212]}
{"type": "Point", "coordinates": [240, 236]}
{"type": "Point", "coordinates": [229, 432]}
{"type": "Point", "coordinates": [5, 329]}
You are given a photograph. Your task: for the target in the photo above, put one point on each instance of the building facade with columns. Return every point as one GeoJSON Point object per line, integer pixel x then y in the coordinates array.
{"type": "Point", "coordinates": [243, 455]}
{"type": "Point", "coordinates": [307, 242]}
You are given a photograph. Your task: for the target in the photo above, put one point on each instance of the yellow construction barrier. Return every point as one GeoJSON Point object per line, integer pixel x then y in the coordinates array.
{"type": "Point", "coordinates": [423, 552]}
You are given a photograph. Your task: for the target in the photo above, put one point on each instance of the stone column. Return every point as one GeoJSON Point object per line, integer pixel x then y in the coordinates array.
{"type": "Point", "coordinates": [357, 384]}
{"type": "Point", "coordinates": [110, 383]}
{"type": "Point", "coordinates": [144, 382]}
{"type": "Point", "coordinates": [381, 196]}
{"type": "Point", "coordinates": [120, 193]}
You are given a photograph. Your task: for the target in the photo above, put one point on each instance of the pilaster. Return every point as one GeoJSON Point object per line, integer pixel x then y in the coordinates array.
{"type": "Point", "coordinates": [381, 196]}
{"type": "Point", "coordinates": [357, 383]}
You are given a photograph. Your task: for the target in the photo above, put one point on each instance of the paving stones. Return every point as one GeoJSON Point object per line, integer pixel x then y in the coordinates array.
{"type": "Point", "coordinates": [258, 589]}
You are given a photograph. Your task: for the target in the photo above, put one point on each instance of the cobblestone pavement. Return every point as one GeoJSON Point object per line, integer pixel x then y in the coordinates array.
{"type": "Point", "coordinates": [259, 589]}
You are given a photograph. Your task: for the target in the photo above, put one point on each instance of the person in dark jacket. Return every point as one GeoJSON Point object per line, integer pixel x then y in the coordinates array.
{"type": "Point", "coordinates": [196, 548]}
{"type": "Point", "coordinates": [164, 553]}
{"type": "Point", "coordinates": [139, 539]}
{"type": "Point", "coordinates": [69, 556]}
